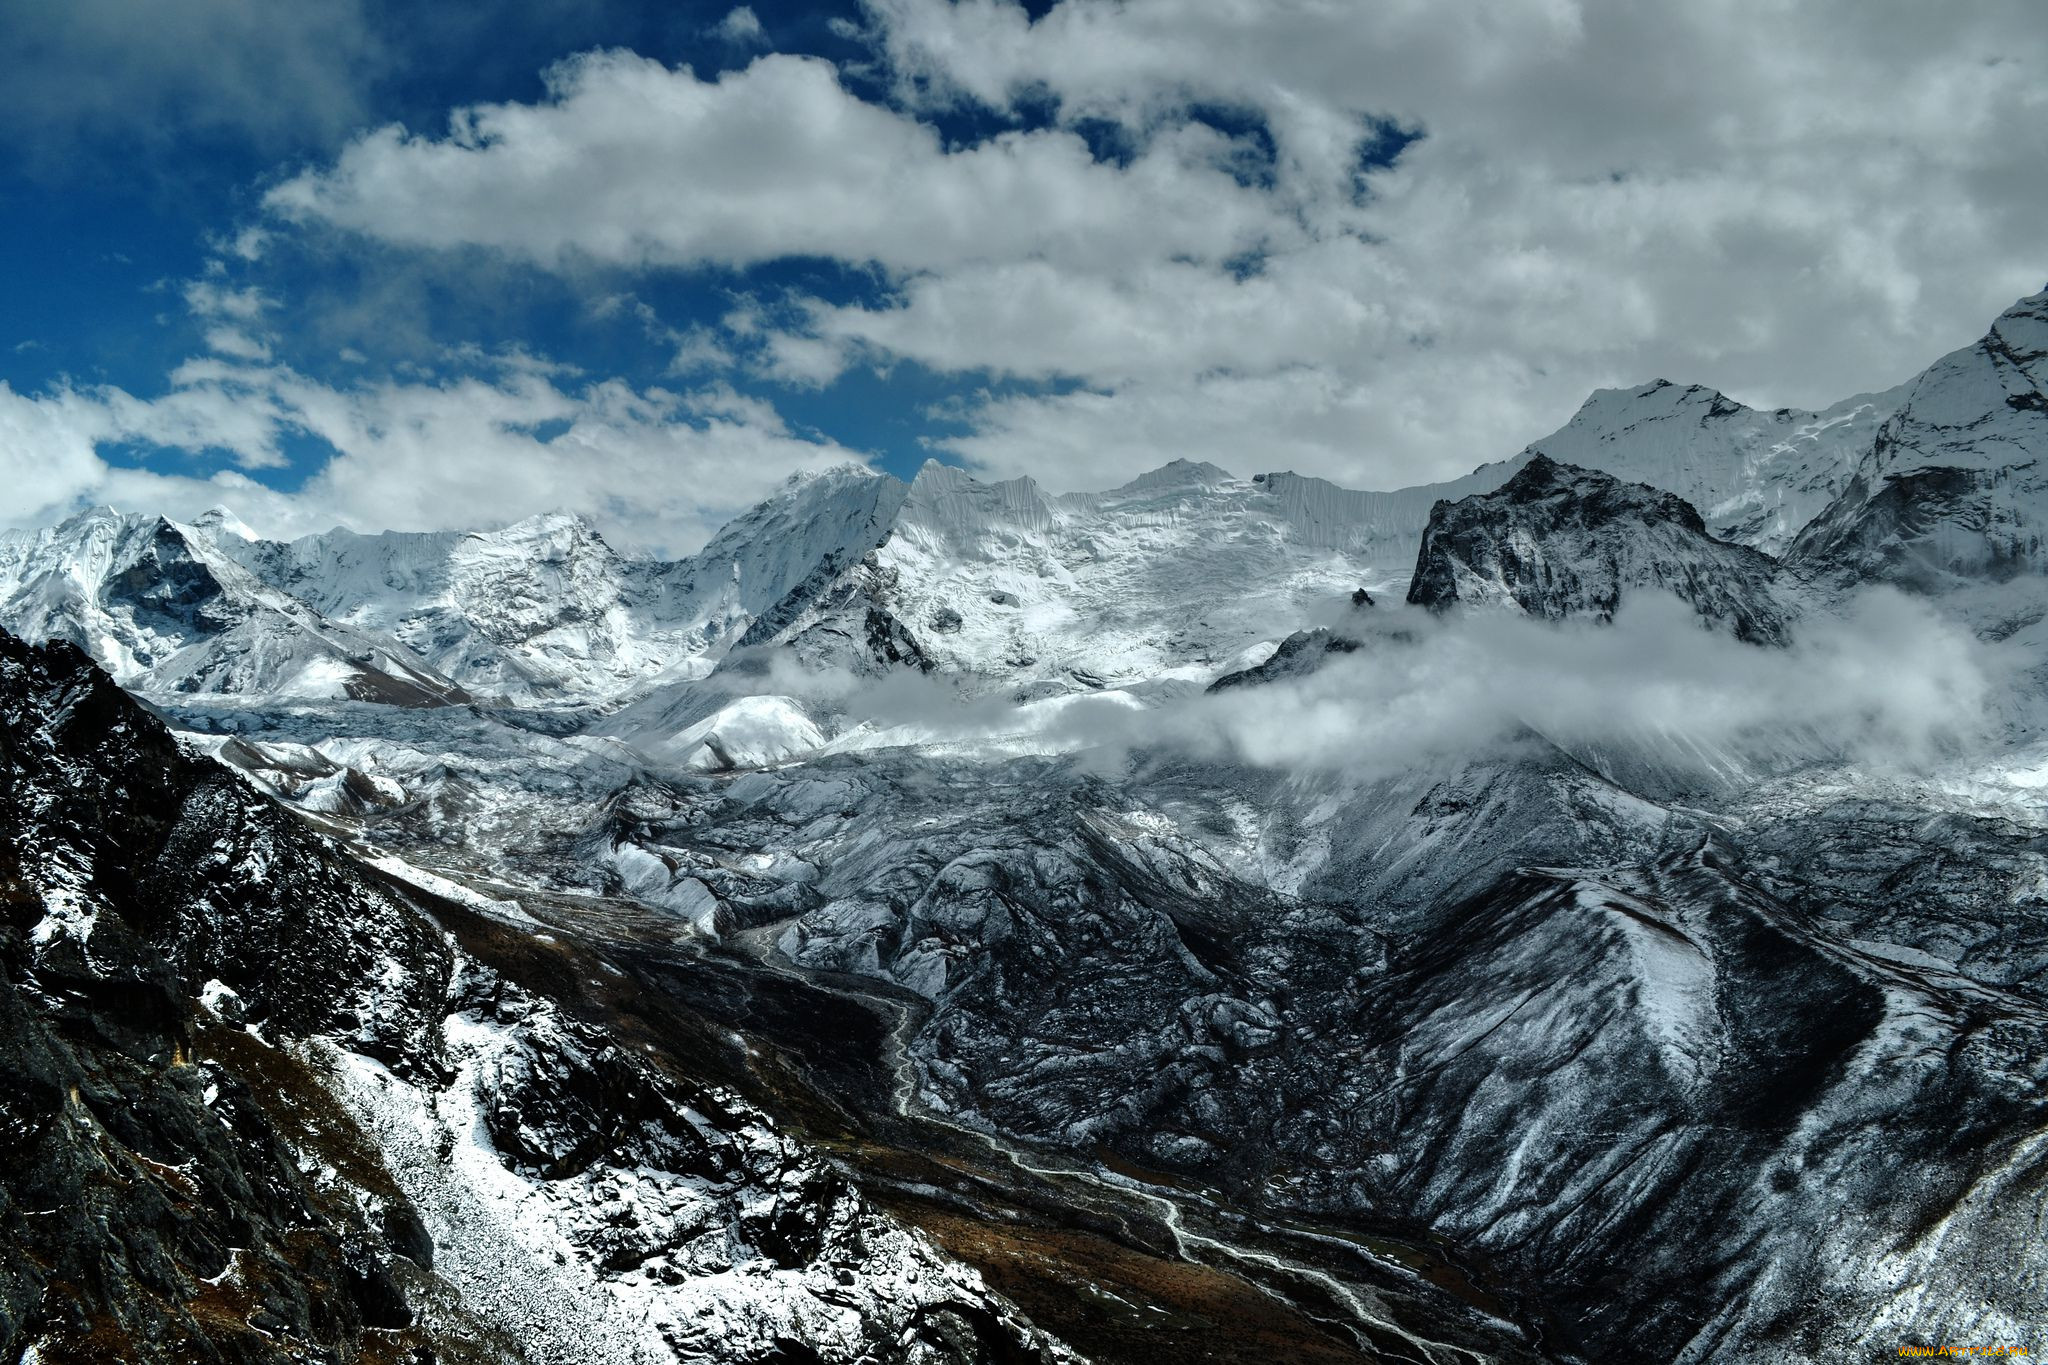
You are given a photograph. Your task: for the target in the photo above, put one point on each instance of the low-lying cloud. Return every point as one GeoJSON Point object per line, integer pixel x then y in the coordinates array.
{"type": "Point", "coordinates": [1889, 683]}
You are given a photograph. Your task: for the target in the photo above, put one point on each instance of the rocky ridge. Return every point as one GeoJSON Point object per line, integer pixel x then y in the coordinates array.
{"type": "Point", "coordinates": [263, 1104]}
{"type": "Point", "coordinates": [1950, 492]}
{"type": "Point", "coordinates": [1556, 542]}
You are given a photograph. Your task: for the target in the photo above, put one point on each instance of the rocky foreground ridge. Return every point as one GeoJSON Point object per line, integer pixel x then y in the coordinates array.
{"type": "Point", "coordinates": [261, 1104]}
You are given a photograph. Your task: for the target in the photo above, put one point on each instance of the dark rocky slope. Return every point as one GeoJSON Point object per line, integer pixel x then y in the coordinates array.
{"type": "Point", "coordinates": [1558, 541]}
{"type": "Point", "coordinates": [259, 1105]}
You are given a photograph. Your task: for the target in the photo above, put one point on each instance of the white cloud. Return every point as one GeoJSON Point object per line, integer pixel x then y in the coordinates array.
{"type": "Point", "coordinates": [1790, 202]}
{"type": "Point", "coordinates": [209, 298]}
{"type": "Point", "coordinates": [236, 343]}
{"type": "Point", "coordinates": [697, 349]}
{"type": "Point", "coordinates": [631, 163]}
{"type": "Point", "coordinates": [741, 27]}
{"type": "Point", "coordinates": [657, 469]}
{"type": "Point", "coordinates": [1891, 684]}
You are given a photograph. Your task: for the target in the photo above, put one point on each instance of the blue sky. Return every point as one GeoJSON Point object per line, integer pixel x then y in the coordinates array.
{"type": "Point", "coordinates": [103, 222]}
{"type": "Point", "coordinates": [384, 264]}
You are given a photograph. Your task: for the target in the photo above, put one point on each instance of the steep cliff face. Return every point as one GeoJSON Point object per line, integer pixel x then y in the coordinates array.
{"type": "Point", "coordinates": [1951, 491]}
{"type": "Point", "coordinates": [1557, 542]}
{"type": "Point", "coordinates": [163, 1195]}
{"type": "Point", "coordinates": [261, 1104]}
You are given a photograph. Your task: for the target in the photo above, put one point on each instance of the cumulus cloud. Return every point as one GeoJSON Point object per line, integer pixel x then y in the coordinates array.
{"type": "Point", "coordinates": [1792, 203]}
{"type": "Point", "coordinates": [741, 27]}
{"type": "Point", "coordinates": [629, 162]}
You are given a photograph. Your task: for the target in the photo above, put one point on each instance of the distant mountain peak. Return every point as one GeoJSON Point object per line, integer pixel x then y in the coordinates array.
{"type": "Point", "coordinates": [218, 519]}
{"type": "Point", "coordinates": [1178, 474]}
{"type": "Point", "coordinates": [1559, 541]}
{"type": "Point", "coordinates": [1952, 490]}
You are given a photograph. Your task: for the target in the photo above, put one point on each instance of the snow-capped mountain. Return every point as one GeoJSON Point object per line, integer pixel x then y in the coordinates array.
{"type": "Point", "coordinates": [1175, 913]}
{"type": "Point", "coordinates": [1951, 491]}
{"type": "Point", "coordinates": [546, 610]}
{"type": "Point", "coordinates": [166, 611]}
{"type": "Point", "coordinates": [1558, 542]}
{"type": "Point", "coordinates": [1756, 477]}
{"type": "Point", "coordinates": [1167, 577]}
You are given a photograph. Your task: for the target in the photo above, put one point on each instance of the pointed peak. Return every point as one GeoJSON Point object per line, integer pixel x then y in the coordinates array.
{"type": "Point", "coordinates": [935, 473]}
{"type": "Point", "coordinates": [220, 520]}
{"type": "Point", "coordinates": [1542, 476]}
{"type": "Point", "coordinates": [1544, 473]}
{"type": "Point", "coordinates": [98, 514]}
{"type": "Point", "coordinates": [1613, 409]}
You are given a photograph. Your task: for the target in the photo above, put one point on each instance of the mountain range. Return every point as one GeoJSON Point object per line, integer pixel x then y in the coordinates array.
{"type": "Point", "coordinates": [1593, 909]}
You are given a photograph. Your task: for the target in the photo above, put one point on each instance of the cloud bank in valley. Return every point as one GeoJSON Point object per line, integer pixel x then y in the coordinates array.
{"type": "Point", "coordinates": [1890, 684]}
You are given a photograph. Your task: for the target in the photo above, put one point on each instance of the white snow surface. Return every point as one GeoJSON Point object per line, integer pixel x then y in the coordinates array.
{"type": "Point", "coordinates": [1756, 477]}
{"type": "Point", "coordinates": [521, 1247]}
{"type": "Point", "coordinates": [751, 732]}
{"type": "Point", "coordinates": [1180, 568]}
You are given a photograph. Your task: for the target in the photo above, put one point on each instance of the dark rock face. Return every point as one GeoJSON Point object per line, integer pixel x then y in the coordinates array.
{"type": "Point", "coordinates": [233, 1067]}
{"type": "Point", "coordinates": [172, 591]}
{"type": "Point", "coordinates": [153, 1200]}
{"type": "Point", "coordinates": [1904, 531]}
{"type": "Point", "coordinates": [1299, 654]}
{"type": "Point", "coordinates": [838, 616]}
{"type": "Point", "coordinates": [1557, 541]}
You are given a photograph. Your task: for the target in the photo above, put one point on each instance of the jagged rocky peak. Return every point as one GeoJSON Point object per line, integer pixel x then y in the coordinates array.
{"type": "Point", "coordinates": [1557, 541]}
{"type": "Point", "coordinates": [1756, 476]}
{"type": "Point", "coordinates": [1952, 490]}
